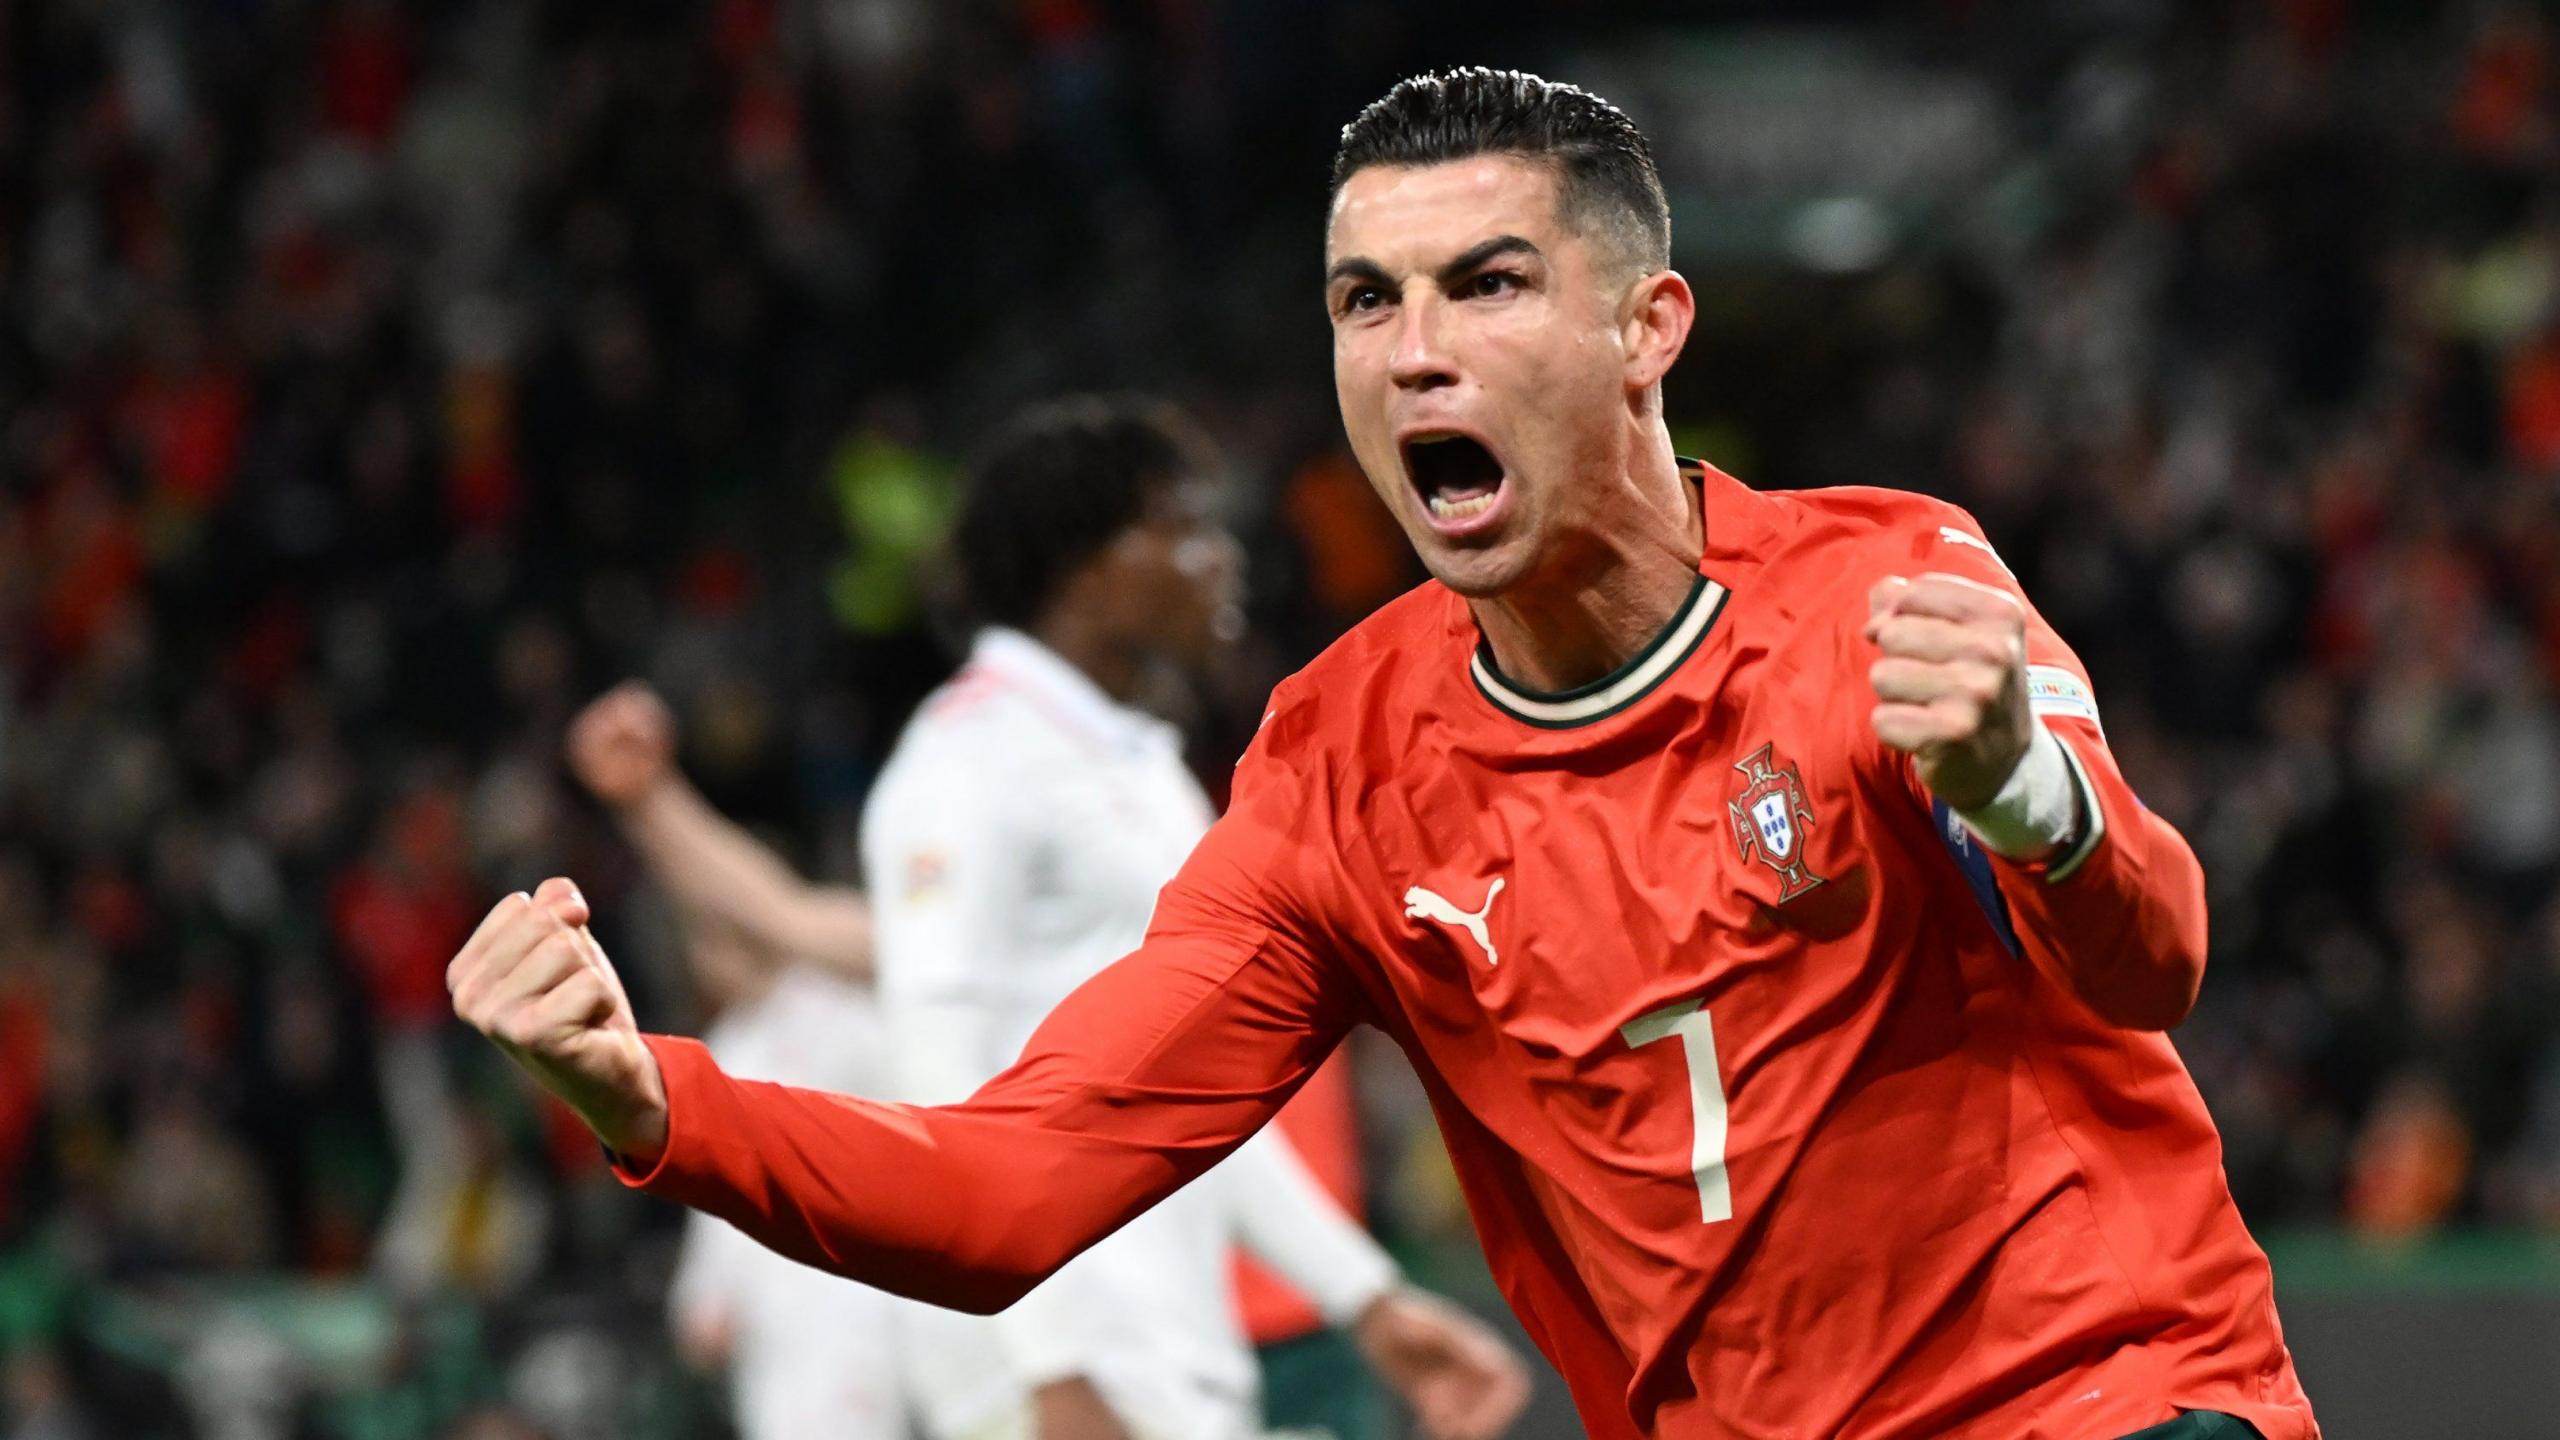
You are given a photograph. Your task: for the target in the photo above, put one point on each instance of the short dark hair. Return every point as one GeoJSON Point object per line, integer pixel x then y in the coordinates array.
{"type": "Point", "coordinates": [1056, 486]}
{"type": "Point", "coordinates": [1605, 168]}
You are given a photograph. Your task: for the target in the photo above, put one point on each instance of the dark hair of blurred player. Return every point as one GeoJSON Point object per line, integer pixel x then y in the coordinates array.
{"type": "Point", "coordinates": [1086, 525]}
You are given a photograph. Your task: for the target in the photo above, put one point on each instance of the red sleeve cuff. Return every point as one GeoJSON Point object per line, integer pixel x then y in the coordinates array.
{"type": "Point", "coordinates": [684, 1066]}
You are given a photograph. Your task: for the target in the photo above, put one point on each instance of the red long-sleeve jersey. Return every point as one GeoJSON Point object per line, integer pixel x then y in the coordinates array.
{"type": "Point", "coordinates": [1782, 1109]}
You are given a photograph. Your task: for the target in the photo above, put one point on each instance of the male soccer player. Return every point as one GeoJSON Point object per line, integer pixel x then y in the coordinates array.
{"type": "Point", "coordinates": [1013, 847]}
{"type": "Point", "coordinates": [1746, 874]}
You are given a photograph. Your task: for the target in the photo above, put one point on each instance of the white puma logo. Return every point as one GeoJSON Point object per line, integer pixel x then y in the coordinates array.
{"type": "Point", "coordinates": [1423, 904]}
{"type": "Point", "coordinates": [1954, 536]}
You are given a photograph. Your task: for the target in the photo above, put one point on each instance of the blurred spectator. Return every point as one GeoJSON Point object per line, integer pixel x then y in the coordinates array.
{"type": "Point", "coordinates": [494, 1425]}
{"type": "Point", "coordinates": [40, 1406]}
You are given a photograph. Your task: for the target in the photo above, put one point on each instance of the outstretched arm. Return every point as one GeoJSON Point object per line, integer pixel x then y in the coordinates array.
{"type": "Point", "coordinates": [623, 749]}
{"type": "Point", "coordinates": [1142, 1079]}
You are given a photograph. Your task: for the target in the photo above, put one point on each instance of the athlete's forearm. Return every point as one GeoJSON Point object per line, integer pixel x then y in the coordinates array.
{"type": "Point", "coordinates": [959, 1209]}
{"type": "Point", "coordinates": [2120, 915]}
{"type": "Point", "coordinates": [2038, 811]}
{"type": "Point", "coordinates": [944, 1047]}
{"type": "Point", "coordinates": [711, 864]}
{"type": "Point", "coordinates": [2114, 912]}
{"type": "Point", "coordinates": [1146, 1076]}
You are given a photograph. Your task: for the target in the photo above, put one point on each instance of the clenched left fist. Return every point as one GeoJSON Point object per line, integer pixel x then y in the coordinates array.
{"type": "Point", "coordinates": [1951, 684]}
{"type": "Point", "coordinates": [534, 981]}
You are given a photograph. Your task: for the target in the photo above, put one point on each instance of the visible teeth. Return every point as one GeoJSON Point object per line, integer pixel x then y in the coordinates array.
{"type": "Point", "coordinates": [1448, 509]}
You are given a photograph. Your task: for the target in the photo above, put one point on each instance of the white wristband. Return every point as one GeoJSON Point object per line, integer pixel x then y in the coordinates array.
{"type": "Point", "coordinates": [2035, 812]}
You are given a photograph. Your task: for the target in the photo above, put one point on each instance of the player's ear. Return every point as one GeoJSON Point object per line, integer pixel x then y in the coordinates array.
{"type": "Point", "coordinates": [1656, 316]}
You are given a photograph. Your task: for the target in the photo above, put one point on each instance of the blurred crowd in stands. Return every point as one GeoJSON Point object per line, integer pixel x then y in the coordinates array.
{"type": "Point", "coordinates": [379, 381]}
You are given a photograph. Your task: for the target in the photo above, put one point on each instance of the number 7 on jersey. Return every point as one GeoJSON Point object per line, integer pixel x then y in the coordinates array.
{"type": "Point", "coordinates": [1688, 1020]}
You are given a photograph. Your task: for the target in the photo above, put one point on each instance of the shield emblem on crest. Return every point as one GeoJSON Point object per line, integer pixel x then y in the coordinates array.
{"type": "Point", "coordinates": [1777, 828]}
{"type": "Point", "coordinates": [1770, 819]}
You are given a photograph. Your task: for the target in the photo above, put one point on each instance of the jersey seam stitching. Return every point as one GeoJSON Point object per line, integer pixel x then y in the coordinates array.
{"type": "Point", "coordinates": [2088, 1179]}
{"type": "Point", "coordinates": [1264, 932]}
{"type": "Point", "coordinates": [2044, 1098]}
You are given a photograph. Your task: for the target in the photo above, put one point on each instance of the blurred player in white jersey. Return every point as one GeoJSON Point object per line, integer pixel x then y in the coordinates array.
{"type": "Point", "coordinates": [806, 1354]}
{"type": "Point", "coordinates": [1013, 847]}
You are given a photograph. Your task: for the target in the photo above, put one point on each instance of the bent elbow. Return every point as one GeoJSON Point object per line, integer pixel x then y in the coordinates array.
{"type": "Point", "coordinates": [2156, 989]}
{"type": "Point", "coordinates": [994, 1297]}
{"type": "Point", "coordinates": [1005, 1271]}
{"type": "Point", "coordinates": [978, 1289]}
{"type": "Point", "coordinates": [2160, 969]}
{"type": "Point", "coordinates": [2161, 1004]}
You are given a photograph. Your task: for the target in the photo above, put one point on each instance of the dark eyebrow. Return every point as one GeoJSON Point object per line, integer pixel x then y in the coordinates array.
{"type": "Point", "coordinates": [1360, 267]}
{"type": "Point", "coordinates": [1474, 257]}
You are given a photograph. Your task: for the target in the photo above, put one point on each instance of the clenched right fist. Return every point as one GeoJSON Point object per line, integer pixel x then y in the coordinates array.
{"type": "Point", "coordinates": [535, 982]}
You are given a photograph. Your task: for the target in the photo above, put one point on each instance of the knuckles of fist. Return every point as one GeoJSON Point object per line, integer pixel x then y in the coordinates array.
{"type": "Point", "coordinates": [1946, 639]}
{"type": "Point", "coordinates": [526, 974]}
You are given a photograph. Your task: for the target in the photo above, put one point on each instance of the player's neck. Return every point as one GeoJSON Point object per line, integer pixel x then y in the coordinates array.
{"type": "Point", "coordinates": [1117, 670]}
{"type": "Point", "coordinates": [1596, 607]}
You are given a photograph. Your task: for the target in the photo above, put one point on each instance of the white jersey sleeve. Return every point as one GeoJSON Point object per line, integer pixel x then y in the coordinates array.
{"type": "Point", "coordinates": [1048, 1334]}
{"type": "Point", "coordinates": [1287, 1220]}
{"type": "Point", "coordinates": [944, 865]}
{"type": "Point", "coordinates": [708, 1289]}
{"type": "Point", "coordinates": [945, 869]}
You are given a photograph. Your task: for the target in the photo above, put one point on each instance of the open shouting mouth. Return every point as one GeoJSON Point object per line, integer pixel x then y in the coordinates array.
{"type": "Point", "coordinates": [1461, 481]}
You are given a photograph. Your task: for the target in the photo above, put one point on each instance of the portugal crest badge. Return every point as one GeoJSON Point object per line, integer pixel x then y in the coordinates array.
{"type": "Point", "coordinates": [1771, 820]}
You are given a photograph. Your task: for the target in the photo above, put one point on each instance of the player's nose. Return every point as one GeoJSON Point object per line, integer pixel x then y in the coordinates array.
{"type": "Point", "coordinates": [1421, 358]}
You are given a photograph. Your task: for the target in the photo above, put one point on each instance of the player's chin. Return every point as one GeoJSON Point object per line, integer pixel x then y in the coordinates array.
{"type": "Point", "coordinates": [1480, 568]}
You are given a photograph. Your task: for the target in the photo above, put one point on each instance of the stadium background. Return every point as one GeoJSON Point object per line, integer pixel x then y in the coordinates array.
{"type": "Point", "coordinates": [380, 381]}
